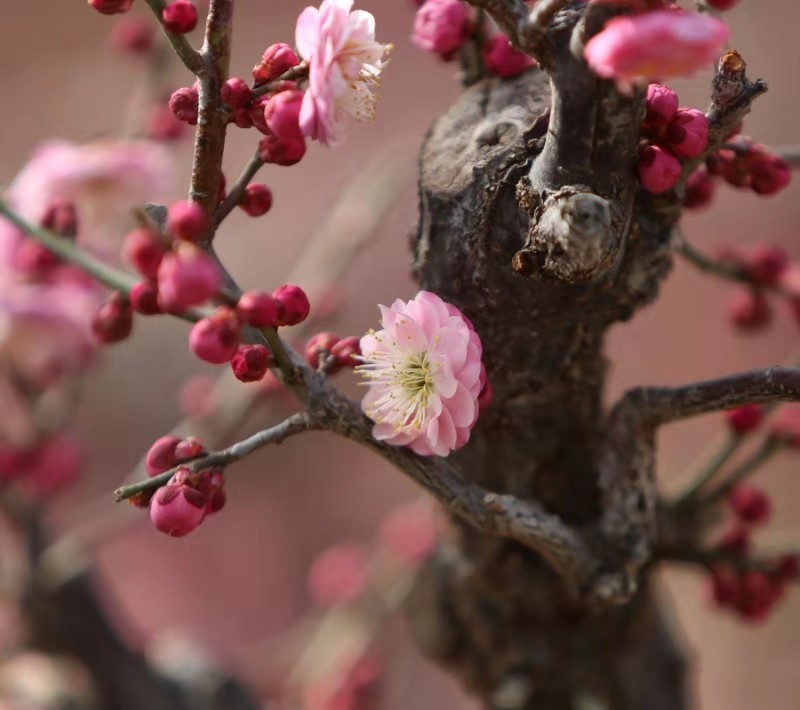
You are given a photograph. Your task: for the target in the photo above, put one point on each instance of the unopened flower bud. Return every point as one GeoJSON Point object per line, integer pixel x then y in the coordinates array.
{"type": "Point", "coordinates": [750, 504]}
{"type": "Point", "coordinates": [766, 263]}
{"type": "Point", "coordinates": [785, 425]}
{"type": "Point", "coordinates": [187, 220]}
{"type": "Point", "coordinates": [61, 217]}
{"type": "Point", "coordinates": [185, 104]}
{"type": "Point", "coordinates": [161, 456]}
{"type": "Point", "coordinates": [346, 351]}
{"type": "Point", "coordinates": [256, 200]}
{"type": "Point", "coordinates": [236, 94]}
{"type": "Point", "coordinates": [735, 541]}
{"type": "Point", "coordinates": [744, 420]}
{"type": "Point", "coordinates": [162, 125]}
{"type": "Point", "coordinates": [216, 339]}
{"type": "Point", "coordinates": [277, 60]}
{"type": "Point", "coordinates": [318, 345]}
{"type": "Point", "coordinates": [749, 310]}
{"type": "Point", "coordinates": [722, 4]}
{"type": "Point", "coordinates": [188, 449]}
{"type": "Point", "coordinates": [295, 304]}
{"type": "Point", "coordinates": [442, 26]}
{"type": "Point", "coordinates": [700, 189]}
{"type": "Point", "coordinates": [187, 277]}
{"type": "Point", "coordinates": [658, 170]}
{"type": "Point", "coordinates": [180, 16]}
{"type": "Point", "coordinates": [259, 309]}
{"type": "Point", "coordinates": [113, 321]}
{"type": "Point", "coordinates": [177, 509]}
{"type": "Point", "coordinates": [768, 173]}
{"type": "Point", "coordinates": [687, 133]}
{"type": "Point", "coordinates": [144, 298]}
{"type": "Point", "coordinates": [503, 60]}
{"type": "Point", "coordinates": [144, 249]}
{"type": "Point", "coordinates": [282, 113]}
{"type": "Point", "coordinates": [111, 7]}
{"type": "Point", "coordinates": [282, 151]}
{"type": "Point", "coordinates": [661, 105]}
{"type": "Point", "coordinates": [251, 362]}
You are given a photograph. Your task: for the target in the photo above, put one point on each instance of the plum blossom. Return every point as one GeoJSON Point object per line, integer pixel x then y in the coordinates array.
{"type": "Point", "coordinates": [423, 370]}
{"type": "Point", "coordinates": [345, 64]}
{"type": "Point", "coordinates": [655, 45]}
{"type": "Point", "coordinates": [103, 179]}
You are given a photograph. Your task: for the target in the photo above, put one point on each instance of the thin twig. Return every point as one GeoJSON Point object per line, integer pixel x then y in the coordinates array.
{"type": "Point", "coordinates": [188, 55]}
{"type": "Point", "coordinates": [296, 73]}
{"type": "Point", "coordinates": [790, 153]}
{"type": "Point", "coordinates": [274, 435]}
{"type": "Point", "coordinates": [770, 447]}
{"type": "Point", "coordinates": [237, 191]}
{"type": "Point", "coordinates": [710, 470]}
{"type": "Point", "coordinates": [66, 250]}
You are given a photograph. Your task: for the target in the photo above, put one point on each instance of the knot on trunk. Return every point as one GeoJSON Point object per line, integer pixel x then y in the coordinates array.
{"type": "Point", "coordinates": [572, 238]}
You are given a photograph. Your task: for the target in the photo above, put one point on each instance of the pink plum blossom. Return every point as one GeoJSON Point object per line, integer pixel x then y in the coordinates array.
{"type": "Point", "coordinates": [423, 370]}
{"type": "Point", "coordinates": [104, 179]}
{"type": "Point", "coordinates": [345, 63]}
{"type": "Point", "coordinates": [655, 45]}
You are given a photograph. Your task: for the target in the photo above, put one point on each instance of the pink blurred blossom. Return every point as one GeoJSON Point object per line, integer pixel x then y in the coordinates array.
{"type": "Point", "coordinates": [655, 45]}
{"type": "Point", "coordinates": [423, 370]}
{"type": "Point", "coordinates": [338, 575]}
{"type": "Point", "coordinates": [345, 63]}
{"type": "Point", "coordinates": [104, 179]}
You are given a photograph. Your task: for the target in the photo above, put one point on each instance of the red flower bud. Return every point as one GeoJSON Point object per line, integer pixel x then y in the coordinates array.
{"type": "Point", "coordinates": [216, 339]}
{"type": "Point", "coordinates": [277, 60]}
{"type": "Point", "coordinates": [180, 16]}
{"type": "Point", "coordinates": [236, 93]}
{"type": "Point", "coordinates": [161, 456]}
{"type": "Point", "coordinates": [282, 151]}
{"type": "Point", "coordinates": [251, 363]}
{"type": "Point", "coordinates": [133, 35]}
{"type": "Point", "coordinates": [111, 7]}
{"type": "Point", "coordinates": [765, 264]}
{"type": "Point", "coordinates": [144, 298]}
{"type": "Point", "coordinates": [163, 126]}
{"type": "Point", "coordinates": [259, 309]}
{"type": "Point", "coordinates": [295, 304]}
{"type": "Point", "coordinates": [177, 509]}
{"type": "Point", "coordinates": [61, 218]}
{"type": "Point", "coordinates": [185, 104]}
{"type": "Point", "coordinates": [661, 104]}
{"type": "Point", "coordinates": [346, 351]}
{"type": "Point", "coordinates": [750, 504]}
{"type": "Point", "coordinates": [658, 170]}
{"type": "Point", "coordinates": [187, 220]}
{"type": "Point", "coordinates": [700, 189]}
{"type": "Point", "coordinates": [282, 114]}
{"type": "Point", "coordinates": [502, 59]}
{"type": "Point", "coordinates": [256, 200]}
{"type": "Point", "coordinates": [687, 133]}
{"type": "Point", "coordinates": [113, 321]}
{"type": "Point", "coordinates": [187, 277]}
{"type": "Point", "coordinates": [749, 310]}
{"type": "Point", "coordinates": [743, 420]}
{"type": "Point", "coordinates": [144, 249]}
{"type": "Point", "coordinates": [317, 345]}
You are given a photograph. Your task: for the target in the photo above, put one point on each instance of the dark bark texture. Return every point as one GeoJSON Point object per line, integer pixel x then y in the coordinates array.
{"type": "Point", "coordinates": [485, 607]}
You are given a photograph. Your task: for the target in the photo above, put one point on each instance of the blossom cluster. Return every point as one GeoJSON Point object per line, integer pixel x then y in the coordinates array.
{"type": "Point", "coordinates": [671, 134]}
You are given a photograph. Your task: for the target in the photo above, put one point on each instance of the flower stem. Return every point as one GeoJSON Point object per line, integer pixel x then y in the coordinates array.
{"type": "Point", "coordinates": [187, 54]}
{"type": "Point", "coordinates": [712, 467]}
{"type": "Point", "coordinates": [768, 449]}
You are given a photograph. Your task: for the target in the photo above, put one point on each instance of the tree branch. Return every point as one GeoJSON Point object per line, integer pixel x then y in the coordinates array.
{"type": "Point", "coordinates": [294, 74]}
{"type": "Point", "coordinates": [237, 191]}
{"type": "Point", "coordinates": [188, 55]}
{"type": "Point", "coordinates": [654, 406]}
{"type": "Point", "coordinates": [274, 435]}
{"type": "Point", "coordinates": [212, 119]}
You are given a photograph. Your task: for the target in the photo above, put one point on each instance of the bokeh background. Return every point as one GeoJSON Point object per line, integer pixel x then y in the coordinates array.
{"type": "Point", "coordinates": [237, 584]}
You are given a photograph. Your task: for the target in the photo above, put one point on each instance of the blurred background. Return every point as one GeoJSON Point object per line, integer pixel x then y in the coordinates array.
{"type": "Point", "coordinates": [237, 585]}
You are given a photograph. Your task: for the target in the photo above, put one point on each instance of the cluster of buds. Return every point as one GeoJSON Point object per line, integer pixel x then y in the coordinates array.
{"type": "Point", "coordinates": [746, 164]}
{"type": "Point", "coordinates": [178, 16]}
{"type": "Point", "coordinates": [672, 134]}
{"type": "Point", "coordinates": [330, 352]}
{"type": "Point", "coordinates": [270, 105]}
{"type": "Point", "coordinates": [751, 588]}
{"type": "Point", "coordinates": [443, 27]}
{"type": "Point", "coordinates": [179, 507]}
{"type": "Point", "coordinates": [42, 470]}
{"type": "Point", "coordinates": [767, 269]}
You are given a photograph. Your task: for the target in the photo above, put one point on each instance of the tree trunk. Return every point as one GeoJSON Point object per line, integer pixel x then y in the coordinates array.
{"type": "Point", "coordinates": [485, 607]}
